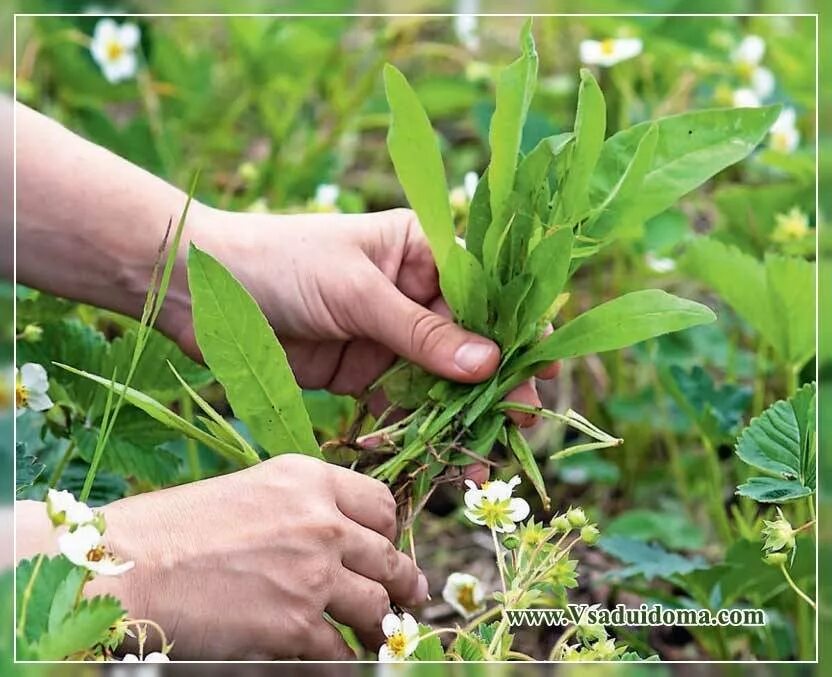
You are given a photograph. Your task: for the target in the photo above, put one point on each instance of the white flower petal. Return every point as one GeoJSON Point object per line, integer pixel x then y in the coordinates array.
{"type": "Point", "coordinates": [34, 377]}
{"type": "Point", "coordinates": [745, 98]}
{"type": "Point", "coordinates": [109, 567]}
{"type": "Point", "coordinates": [130, 658]}
{"type": "Point", "coordinates": [518, 509]}
{"type": "Point", "coordinates": [391, 624]}
{"type": "Point", "coordinates": [105, 30]}
{"type": "Point", "coordinates": [387, 656]}
{"type": "Point", "coordinates": [156, 657]}
{"type": "Point", "coordinates": [327, 194]}
{"type": "Point", "coordinates": [590, 51]}
{"type": "Point", "coordinates": [750, 51]}
{"type": "Point", "coordinates": [129, 35]}
{"type": "Point", "coordinates": [762, 82]}
{"type": "Point", "coordinates": [76, 544]}
{"type": "Point", "coordinates": [111, 71]}
{"type": "Point", "coordinates": [470, 184]}
{"type": "Point", "coordinates": [39, 401]}
{"type": "Point", "coordinates": [410, 627]}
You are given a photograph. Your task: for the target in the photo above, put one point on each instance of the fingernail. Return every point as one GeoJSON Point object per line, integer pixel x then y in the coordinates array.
{"type": "Point", "coordinates": [422, 588]}
{"type": "Point", "coordinates": [471, 356]}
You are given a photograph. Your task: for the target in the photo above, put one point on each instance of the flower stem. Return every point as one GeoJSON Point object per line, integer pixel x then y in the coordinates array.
{"type": "Point", "coordinates": [500, 562]}
{"type": "Point", "coordinates": [797, 590]}
{"type": "Point", "coordinates": [27, 595]}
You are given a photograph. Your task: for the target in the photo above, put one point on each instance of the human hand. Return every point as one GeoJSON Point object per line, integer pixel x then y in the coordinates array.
{"type": "Point", "coordinates": [346, 294]}
{"type": "Point", "coordinates": [243, 566]}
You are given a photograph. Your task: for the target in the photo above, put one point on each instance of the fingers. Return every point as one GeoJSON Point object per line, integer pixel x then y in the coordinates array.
{"type": "Point", "coordinates": [374, 557]}
{"type": "Point", "coordinates": [361, 604]}
{"type": "Point", "coordinates": [366, 501]}
{"type": "Point", "coordinates": [433, 342]}
{"type": "Point", "coordinates": [526, 394]}
{"type": "Point", "coordinates": [323, 642]}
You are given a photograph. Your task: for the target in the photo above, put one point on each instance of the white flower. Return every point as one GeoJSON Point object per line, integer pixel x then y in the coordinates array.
{"type": "Point", "coordinates": [465, 23]}
{"type": "Point", "coordinates": [464, 593]}
{"type": "Point", "coordinates": [659, 264]}
{"type": "Point", "coordinates": [762, 82]}
{"type": "Point", "coordinates": [469, 183]}
{"type": "Point", "coordinates": [492, 505]}
{"type": "Point", "coordinates": [113, 48]}
{"type": "Point", "coordinates": [63, 509]}
{"type": "Point", "coordinates": [610, 51]}
{"type": "Point", "coordinates": [152, 657]}
{"type": "Point", "coordinates": [458, 199]}
{"type": "Point", "coordinates": [84, 548]}
{"type": "Point", "coordinates": [784, 136]}
{"type": "Point", "coordinates": [402, 637]}
{"type": "Point", "coordinates": [745, 98]}
{"type": "Point", "coordinates": [326, 195]}
{"type": "Point", "coordinates": [750, 51]}
{"type": "Point", "coordinates": [31, 386]}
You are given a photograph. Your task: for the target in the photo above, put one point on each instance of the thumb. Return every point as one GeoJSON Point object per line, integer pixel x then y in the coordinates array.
{"type": "Point", "coordinates": [433, 342]}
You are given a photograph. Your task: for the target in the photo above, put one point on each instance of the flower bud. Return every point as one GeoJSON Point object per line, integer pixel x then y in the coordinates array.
{"type": "Point", "coordinates": [511, 542]}
{"type": "Point", "coordinates": [778, 534]}
{"type": "Point", "coordinates": [576, 517]}
{"type": "Point", "coordinates": [590, 534]}
{"type": "Point", "coordinates": [32, 333]}
{"type": "Point", "coordinates": [776, 559]}
{"type": "Point", "coordinates": [560, 523]}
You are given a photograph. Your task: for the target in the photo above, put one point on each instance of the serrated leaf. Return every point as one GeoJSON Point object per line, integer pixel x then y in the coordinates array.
{"type": "Point", "coordinates": [649, 561]}
{"type": "Point", "coordinates": [781, 441]}
{"type": "Point", "coordinates": [161, 413]}
{"type": "Point", "coordinates": [690, 149]}
{"type": "Point", "coordinates": [515, 88]}
{"type": "Point", "coordinates": [66, 595]}
{"type": "Point", "coordinates": [525, 457]}
{"type": "Point", "coordinates": [28, 468]}
{"type": "Point", "coordinates": [468, 647]}
{"type": "Point", "coordinates": [590, 126]}
{"type": "Point", "coordinates": [429, 649]}
{"type": "Point", "coordinates": [629, 319]}
{"type": "Point", "coordinates": [414, 149]}
{"type": "Point", "coordinates": [87, 626]}
{"type": "Point", "coordinates": [671, 528]}
{"type": "Point", "coordinates": [240, 347]}
{"type": "Point", "coordinates": [51, 572]}
{"type": "Point", "coordinates": [134, 448]}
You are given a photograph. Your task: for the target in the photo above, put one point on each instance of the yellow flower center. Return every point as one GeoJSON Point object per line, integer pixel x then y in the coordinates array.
{"type": "Point", "coordinates": [465, 597]}
{"type": "Point", "coordinates": [397, 644]}
{"type": "Point", "coordinates": [608, 47]}
{"type": "Point", "coordinates": [746, 70]}
{"type": "Point", "coordinates": [21, 395]}
{"type": "Point", "coordinates": [114, 51]}
{"type": "Point", "coordinates": [96, 554]}
{"type": "Point", "coordinates": [780, 141]}
{"type": "Point", "coordinates": [493, 513]}
{"type": "Point", "coordinates": [791, 226]}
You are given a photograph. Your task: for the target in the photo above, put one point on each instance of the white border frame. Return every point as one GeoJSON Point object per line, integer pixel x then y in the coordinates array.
{"type": "Point", "coordinates": [449, 15]}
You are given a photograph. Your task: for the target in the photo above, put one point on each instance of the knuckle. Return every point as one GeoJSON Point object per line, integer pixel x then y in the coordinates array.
{"type": "Point", "coordinates": [427, 332]}
{"type": "Point", "coordinates": [389, 562]}
{"type": "Point", "coordinates": [379, 603]}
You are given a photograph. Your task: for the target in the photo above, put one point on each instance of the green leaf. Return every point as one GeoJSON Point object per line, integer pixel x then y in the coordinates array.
{"type": "Point", "coordinates": [414, 149]}
{"type": "Point", "coordinates": [781, 442]}
{"type": "Point", "coordinates": [87, 626]}
{"type": "Point", "coordinates": [479, 218]}
{"type": "Point", "coordinates": [629, 319]}
{"type": "Point", "coordinates": [465, 289]}
{"type": "Point", "coordinates": [161, 413]}
{"type": "Point", "coordinates": [776, 297]}
{"type": "Point", "coordinates": [616, 209]}
{"type": "Point", "coordinates": [515, 88]}
{"type": "Point", "coordinates": [134, 448]}
{"type": "Point", "coordinates": [429, 649]}
{"type": "Point", "coordinates": [548, 264]}
{"type": "Point", "coordinates": [66, 595]}
{"type": "Point", "coordinates": [672, 529]}
{"type": "Point", "coordinates": [28, 468]}
{"type": "Point", "coordinates": [690, 149]}
{"type": "Point", "coordinates": [468, 647]}
{"type": "Point", "coordinates": [649, 561]}
{"type": "Point", "coordinates": [590, 125]}
{"type": "Point", "coordinates": [242, 351]}
{"type": "Point", "coordinates": [50, 575]}
{"type": "Point", "coordinates": [525, 456]}
{"type": "Point", "coordinates": [717, 411]}
{"type": "Point", "coordinates": [510, 302]}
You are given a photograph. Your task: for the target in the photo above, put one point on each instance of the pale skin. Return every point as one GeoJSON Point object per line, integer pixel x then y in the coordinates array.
{"type": "Point", "coordinates": [244, 565]}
